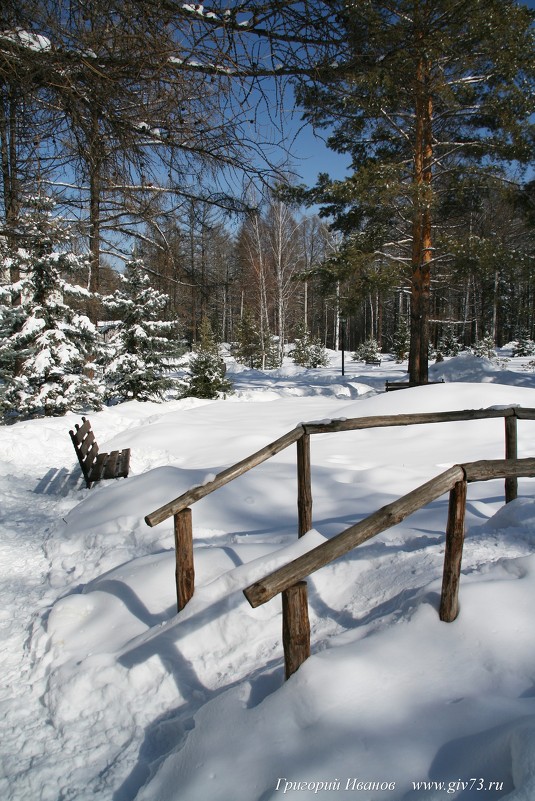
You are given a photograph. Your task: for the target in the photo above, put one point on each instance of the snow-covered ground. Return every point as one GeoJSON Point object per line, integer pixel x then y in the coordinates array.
{"type": "Point", "coordinates": [108, 694]}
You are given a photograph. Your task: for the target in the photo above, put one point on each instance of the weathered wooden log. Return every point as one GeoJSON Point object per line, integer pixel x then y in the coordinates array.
{"type": "Point", "coordinates": [353, 424]}
{"type": "Point", "coordinates": [185, 569]}
{"type": "Point", "coordinates": [449, 601]}
{"type": "Point", "coordinates": [295, 627]}
{"type": "Point", "coordinates": [304, 485]}
{"type": "Point", "coordinates": [269, 586]}
{"type": "Point", "coordinates": [238, 469]}
{"type": "Point", "coordinates": [418, 418]}
{"type": "Point", "coordinates": [511, 452]}
{"type": "Point", "coordinates": [487, 469]}
{"type": "Point", "coordinates": [524, 414]}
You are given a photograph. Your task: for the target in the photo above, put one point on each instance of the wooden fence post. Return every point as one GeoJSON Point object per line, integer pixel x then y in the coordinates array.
{"type": "Point", "coordinates": [511, 452]}
{"type": "Point", "coordinates": [185, 571]}
{"type": "Point", "coordinates": [449, 601]}
{"type": "Point", "coordinates": [304, 485]}
{"type": "Point", "coordinates": [295, 627]}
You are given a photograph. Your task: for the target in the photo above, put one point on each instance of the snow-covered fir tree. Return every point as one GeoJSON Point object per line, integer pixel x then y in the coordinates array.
{"type": "Point", "coordinates": [248, 347]}
{"type": "Point", "coordinates": [46, 347]}
{"type": "Point", "coordinates": [401, 340]}
{"type": "Point", "coordinates": [523, 345]}
{"type": "Point", "coordinates": [484, 347]}
{"type": "Point", "coordinates": [207, 369]}
{"type": "Point", "coordinates": [271, 352]}
{"type": "Point", "coordinates": [254, 348]}
{"type": "Point", "coordinates": [142, 344]}
{"type": "Point", "coordinates": [308, 350]}
{"type": "Point", "coordinates": [449, 344]}
{"type": "Point", "coordinates": [368, 351]}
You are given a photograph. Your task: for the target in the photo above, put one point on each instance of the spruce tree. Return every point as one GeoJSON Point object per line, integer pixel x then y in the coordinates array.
{"type": "Point", "coordinates": [308, 350]}
{"type": "Point", "coordinates": [254, 348]}
{"type": "Point", "coordinates": [367, 351]}
{"type": "Point", "coordinates": [207, 369]}
{"type": "Point", "coordinates": [401, 340]}
{"type": "Point", "coordinates": [46, 348]}
{"type": "Point", "coordinates": [248, 348]}
{"type": "Point", "coordinates": [484, 348]}
{"type": "Point", "coordinates": [142, 344]}
{"type": "Point", "coordinates": [524, 345]}
{"type": "Point", "coordinates": [449, 344]}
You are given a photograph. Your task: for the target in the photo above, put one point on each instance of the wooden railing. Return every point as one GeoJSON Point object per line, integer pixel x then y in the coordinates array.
{"type": "Point", "coordinates": [289, 580]}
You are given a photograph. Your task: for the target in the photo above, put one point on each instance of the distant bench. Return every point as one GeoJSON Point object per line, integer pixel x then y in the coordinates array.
{"type": "Point", "coordinates": [97, 466]}
{"type": "Point", "coordinates": [390, 386]}
{"type": "Point", "coordinates": [376, 362]}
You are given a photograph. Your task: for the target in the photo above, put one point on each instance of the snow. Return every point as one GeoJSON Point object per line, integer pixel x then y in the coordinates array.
{"type": "Point", "coordinates": [109, 694]}
{"type": "Point", "coordinates": [32, 41]}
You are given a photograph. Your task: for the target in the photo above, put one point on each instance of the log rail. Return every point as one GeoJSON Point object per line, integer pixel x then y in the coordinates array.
{"type": "Point", "coordinates": [290, 579]}
{"type": "Point", "coordinates": [453, 480]}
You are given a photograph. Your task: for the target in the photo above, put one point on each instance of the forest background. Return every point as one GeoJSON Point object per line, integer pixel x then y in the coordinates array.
{"type": "Point", "coordinates": [168, 135]}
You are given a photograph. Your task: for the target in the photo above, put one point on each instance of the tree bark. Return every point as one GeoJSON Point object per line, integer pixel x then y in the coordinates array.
{"type": "Point", "coordinates": [421, 229]}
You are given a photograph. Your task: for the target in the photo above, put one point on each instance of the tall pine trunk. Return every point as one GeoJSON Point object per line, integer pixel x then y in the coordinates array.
{"type": "Point", "coordinates": [421, 229]}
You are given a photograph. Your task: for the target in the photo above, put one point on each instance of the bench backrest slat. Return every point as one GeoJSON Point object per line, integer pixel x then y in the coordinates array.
{"type": "Point", "coordinates": [96, 465]}
{"type": "Point", "coordinates": [90, 458]}
{"type": "Point", "coordinates": [87, 445]}
{"type": "Point", "coordinates": [81, 430]}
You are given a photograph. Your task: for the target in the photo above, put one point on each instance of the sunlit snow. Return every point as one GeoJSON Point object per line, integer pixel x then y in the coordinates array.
{"type": "Point", "coordinates": [108, 694]}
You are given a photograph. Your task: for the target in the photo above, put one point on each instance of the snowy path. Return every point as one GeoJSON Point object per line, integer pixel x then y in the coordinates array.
{"type": "Point", "coordinates": [29, 742]}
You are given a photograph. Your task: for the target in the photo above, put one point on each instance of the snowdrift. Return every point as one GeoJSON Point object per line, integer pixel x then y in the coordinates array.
{"type": "Point", "coordinates": [110, 694]}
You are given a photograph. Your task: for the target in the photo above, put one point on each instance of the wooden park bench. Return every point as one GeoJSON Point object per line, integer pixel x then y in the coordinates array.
{"type": "Point", "coordinates": [376, 362]}
{"type": "Point", "coordinates": [97, 466]}
{"type": "Point", "coordinates": [390, 386]}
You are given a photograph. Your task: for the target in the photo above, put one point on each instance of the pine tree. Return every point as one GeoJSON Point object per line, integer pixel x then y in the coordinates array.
{"type": "Point", "coordinates": [46, 348]}
{"type": "Point", "coordinates": [427, 94]}
{"type": "Point", "coordinates": [142, 344]}
{"type": "Point", "coordinates": [308, 350]}
{"type": "Point", "coordinates": [207, 368]}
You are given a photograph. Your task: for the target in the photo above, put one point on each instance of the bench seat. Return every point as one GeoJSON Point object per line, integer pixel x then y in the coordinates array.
{"type": "Point", "coordinates": [390, 386]}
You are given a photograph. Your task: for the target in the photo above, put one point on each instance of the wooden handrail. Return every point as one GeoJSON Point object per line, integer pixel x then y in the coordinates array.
{"type": "Point", "coordinates": [487, 469]}
{"type": "Point", "coordinates": [196, 493]}
{"type": "Point", "coordinates": [289, 580]}
{"type": "Point", "coordinates": [179, 507]}
{"type": "Point", "coordinates": [351, 424]}
{"type": "Point", "coordinates": [418, 418]}
{"type": "Point", "coordinates": [390, 515]}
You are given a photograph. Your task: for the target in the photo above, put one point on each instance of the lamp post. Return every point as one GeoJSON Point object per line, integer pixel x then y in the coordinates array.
{"type": "Point", "coordinates": [343, 340]}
